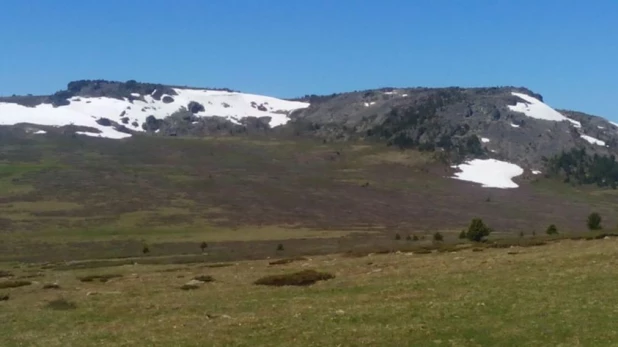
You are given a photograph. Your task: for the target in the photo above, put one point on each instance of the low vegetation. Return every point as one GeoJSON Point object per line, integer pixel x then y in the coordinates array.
{"type": "Point", "coordinates": [594, 221]}
{"type": "Point", "coordinates": [99, 278]}
{"type": "Point", "coordinates": [61, 304]}
{"type": "Point", "coordinates": [204, 278]}
{"type": "Point", "coordinates": [287, 261]}
{"type": "Point", "coordinates": [302, 278]}
{"type": "Point", "coordinates": [14, 284]}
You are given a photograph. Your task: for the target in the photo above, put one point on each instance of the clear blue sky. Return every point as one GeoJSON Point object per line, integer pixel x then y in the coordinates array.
{"type": "Point", "coordinates": [566, 50]}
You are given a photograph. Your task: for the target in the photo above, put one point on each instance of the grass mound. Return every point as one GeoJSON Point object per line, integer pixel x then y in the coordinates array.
{"type": "Point", "coordinates": [51, 286]}
{"type": "Point", "coordinates": [61, 304]}
{"type": "Point", "coordinates": [204, 278]}
{"type": "Point", "coordinates": [302, 278]}
{"type": "Point", "coordinates": [14, 284]}
{"type": "Point", "coordinates": [287, 261]}
{"type": "Point", "coordinates": [99, 278]}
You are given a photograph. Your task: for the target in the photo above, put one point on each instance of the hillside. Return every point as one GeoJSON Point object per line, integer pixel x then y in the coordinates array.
{"type": "Point", "coordinates": [485, 132]}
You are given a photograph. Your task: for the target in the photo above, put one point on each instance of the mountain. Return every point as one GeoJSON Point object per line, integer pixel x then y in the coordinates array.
{"type": "Point", "coordinates": [118, 110]}
{"type": "Point", "coordinates": [491, 135]}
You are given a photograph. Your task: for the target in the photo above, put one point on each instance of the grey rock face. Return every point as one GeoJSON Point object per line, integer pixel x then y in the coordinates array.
{"type": "Point", "coordinates": [447, 118]}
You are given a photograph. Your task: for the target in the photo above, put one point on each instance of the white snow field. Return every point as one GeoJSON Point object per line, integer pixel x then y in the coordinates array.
{"type": "Point", "coordinates": [592, 140]}
{"type": "Point", "coordinates": [534, 108]}
{"type": "Point", "coordinates": [491, 173]}
{"type": "Point", "coordinates": [86, 111]}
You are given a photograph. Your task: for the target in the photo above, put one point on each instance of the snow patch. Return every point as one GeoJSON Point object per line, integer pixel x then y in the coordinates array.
{"type": "Point", "coordinates": [484, 139]}
{"type": "Point", "coordinates": [514, 125]}
{"type": "Point", "coordinates": [491, 173]}
{"type": "Point", "coordinates": [600, 127]}
{"type": "Point", "coordinates": [404, 95]}
{"type": "Point", "coordinates": [614, 124]}
{"type": "Point", "coordinates": [536, 172]}
{"type": "Point", "coordinates": [88, 112]}
{"type": "Point", "coordinates": [40, 132]}
{"type": "Point", "coordinates": [534, 108]}
{"type": "Point", "coordinates": [592, 140]}
{"type": "Point", "coordinates": [137, 95]}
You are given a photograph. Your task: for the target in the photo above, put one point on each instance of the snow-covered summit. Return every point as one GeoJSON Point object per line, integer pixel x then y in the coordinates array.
{"type": "Point", "coordinates": [132, 112]}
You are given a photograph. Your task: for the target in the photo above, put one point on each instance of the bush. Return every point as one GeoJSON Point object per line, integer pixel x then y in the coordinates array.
{"type": "Point", "coordinates": [521, 234]}
{"type": "Point", "coordinates": [397, 237]}
{"type": "Point", "coordinates": [415, 238]}
{"type": "Point", "coordinates": [438, 237]}
{"type": "Point", "coordinates": [4, 297]}
{"type": "Point", "coordinates": [477, 230]}
{"type": "Point", "coordinates": [408, 238]}
{"type": "Point", "coordinates": [100, 278]}
{"type": "Point", "coordinates": [204, 278]}
{"type": "Point", "coordinates": [552, 230]}
{"type": "Point", "coordinates": [594, 221]}
{"type": "Point", "coordinates": [14, 284]}
{"type": "Point", "coordinates": [462, 234]}
{"type": "Point", "coordinates": [61, 305]}
{"type": "Point", "coordinates": [302, 278]}
{"type": "Point", "coordinates": [145, 250]}
{"type": "Point", "coordinates": [280, 247]}
{"type": "Point", "coordinates": [203, 246]}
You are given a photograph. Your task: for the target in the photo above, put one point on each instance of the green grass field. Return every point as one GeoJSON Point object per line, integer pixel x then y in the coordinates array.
{"type": "Point", "coordinates": [560, 294]}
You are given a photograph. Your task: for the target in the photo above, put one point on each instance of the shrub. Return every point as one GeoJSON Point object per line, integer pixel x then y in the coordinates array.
{"type": "Point", "coordinates": [415, 238]}
{"type": "Point", "coordinates": [397, 236]}
{"type": "Point", "coordinates": [61, 304]}
{"type": "Point", "coordinates": [552, 230]}
{"type": "Point", "coordinates": [438, 237]}
{"type": "Point", "coordinates": [408, 238]}
{"type": "Point", "coordinates": [462, 234]}
{"type": "Point", "coordinates": [521, 234]}
{"type": "Point", "coordinates": [280, 247]}
{"type": "Point", "coordinates": [533, 233]}
{"type": "Point", "coordinates": [594, 221]}
{"type": "Point", "coordinates": [203, 246]}
{"type": "Point", "coordinates": [477, 230]}
{"type": "Point", "coordinates": [100, 278]}
{"type": "Point", "coordinates": [302, 278]}
{"type": "Point", "coordinates": [4, 297]}
{"type": "Point", "coordinates": [286, 261]}
{"type": "Point", "coordinates": [145, 249]}
{"type": "Point", "coordinates": [14, 284]}
{"type": "Point", "coordinates": [204, 278]}
{"type": "Point", "coordinates": [51, 286]}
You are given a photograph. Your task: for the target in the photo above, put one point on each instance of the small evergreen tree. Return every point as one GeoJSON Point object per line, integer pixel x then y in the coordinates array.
{"type": "Point", "coordinates": [594, 221]}
{"type": "Point", "coordinates": [408, 238]}
{"type": "Point", "coordinates": [145, 249]}
{"type": "Point", "coordinates": [280, 247]}
{"type": "Point", "coordinates": [415, 238]}
{"type": "Point", "coordinates": [203, 246]}
{"type": "Point", "coordinates": [552, 230]}
{"type": "Point", "coordinates": [462, 234]}
{"type": "Point", "coordinates": [438, 237]}
{"type": "Point", "coordinates": [397, 236]}
{"type": "Point", "coordinates": [477, 230]}
{"type": "Point", "coordinates": [521, 234]}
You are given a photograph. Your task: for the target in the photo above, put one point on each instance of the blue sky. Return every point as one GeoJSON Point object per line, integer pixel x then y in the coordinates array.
{"type": "Point", "coordinates": [566, 50]}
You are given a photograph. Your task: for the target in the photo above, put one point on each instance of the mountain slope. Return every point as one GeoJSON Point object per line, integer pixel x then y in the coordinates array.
{"type": "Point", "coordinates": [483, 132]}
{"type": "Point", "coordinates": [124, 110]}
